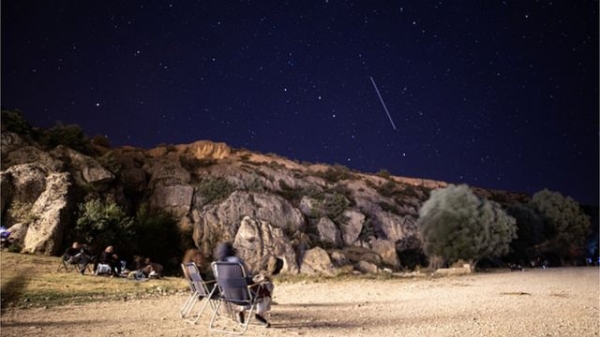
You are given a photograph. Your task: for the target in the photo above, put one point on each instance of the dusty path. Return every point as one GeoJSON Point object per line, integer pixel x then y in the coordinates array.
{"type": "Point", "coordinates": [552, 302]}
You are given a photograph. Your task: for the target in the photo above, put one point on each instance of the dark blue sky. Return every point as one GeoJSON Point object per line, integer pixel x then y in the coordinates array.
{"type": "Point", "coordinates": [496, 94]}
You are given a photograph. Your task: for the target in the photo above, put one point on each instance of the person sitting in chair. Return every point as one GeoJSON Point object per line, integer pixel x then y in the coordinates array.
{"type": "Point", "coordinates": [109, 257]}
{"type": "Point", "coordinates": [225, 252]}
{"type": "Point", "coordinates": [77, 255]}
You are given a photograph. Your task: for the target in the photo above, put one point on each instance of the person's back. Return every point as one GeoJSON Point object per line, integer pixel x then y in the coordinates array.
{"type": "Point", "coordinates": [226, 252]}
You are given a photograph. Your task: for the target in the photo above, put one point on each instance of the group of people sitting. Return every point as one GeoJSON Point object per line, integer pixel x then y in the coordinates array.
{"type": "Point", "coordinates": [80, 255]}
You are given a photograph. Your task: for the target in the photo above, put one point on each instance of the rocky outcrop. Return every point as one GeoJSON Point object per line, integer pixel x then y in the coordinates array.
{"type": "Point", "coordinates": [352, 227]}
{"type": "Point", "coordinates": [84, 169]}
{"type": "Point", "coordinates": [260, 244]}
{"type": "Point", "coordinates": [329, 233]}
{"type": "Point", "coordinates": [45, 232]}
{"type": "Point", "coordinates": [316, 261]}
{"type": "Point", "coordinates": [316, 219]}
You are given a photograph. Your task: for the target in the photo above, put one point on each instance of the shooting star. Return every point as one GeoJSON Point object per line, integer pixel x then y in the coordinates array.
{"type": "Point", "coordinates": [382, 102]}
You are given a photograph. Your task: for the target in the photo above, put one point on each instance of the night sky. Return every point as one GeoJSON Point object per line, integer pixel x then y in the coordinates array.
{"type": "Point", "coordinates": [494, 94]}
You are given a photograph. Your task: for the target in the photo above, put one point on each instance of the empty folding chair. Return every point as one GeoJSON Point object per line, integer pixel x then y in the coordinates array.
{"type": "Point", "coordinates": [200, 290]}
{"type": "Point", "coordinates": [236, 296]}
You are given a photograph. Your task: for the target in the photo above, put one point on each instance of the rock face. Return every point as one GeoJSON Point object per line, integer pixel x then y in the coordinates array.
{"type": "Point", "coordinates": [313, 219]}
{"type": "Point", "coordinates": [45, 233]}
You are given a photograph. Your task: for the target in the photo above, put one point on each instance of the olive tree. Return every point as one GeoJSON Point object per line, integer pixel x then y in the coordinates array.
{"type": "Point", "coordinates": [567, 226]}
{"type": "Point", "coordinates": [456, 224]}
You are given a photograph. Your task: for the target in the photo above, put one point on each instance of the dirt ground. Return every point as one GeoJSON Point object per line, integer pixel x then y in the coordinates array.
{"type": "Point", "coordinates": [542, 302]}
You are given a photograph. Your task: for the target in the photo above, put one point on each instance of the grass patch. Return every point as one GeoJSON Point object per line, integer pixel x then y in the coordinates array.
{"type": "Point", "coordinates": [33, 281]}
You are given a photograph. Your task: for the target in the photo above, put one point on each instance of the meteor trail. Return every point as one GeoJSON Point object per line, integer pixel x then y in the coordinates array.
{"type": "Point", "coordinates": [382, 102]}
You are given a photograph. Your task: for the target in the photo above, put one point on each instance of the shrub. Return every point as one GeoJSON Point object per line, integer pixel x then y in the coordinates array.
{"type": "Point", "coordinates": [104, 223]}
{"type": "Point", "coordinates": [71, 136]}
{"type": "Point", "coordinates": [212, 189]}
{"type": "Point", "coordinates": [455, 224]}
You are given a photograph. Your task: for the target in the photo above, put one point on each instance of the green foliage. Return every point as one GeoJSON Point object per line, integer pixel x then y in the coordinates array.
{"type": "Point", "coordinates": [293, 195]}
{"type": "Point", "coordinates": [530, 232]}
{"type": "Point", "coordinates": [567, 224]}
{"type": "Point", "coordinates": [455, 224]}
{"type": "Point", "coordinates": [157, 236]}
{"type": "Point", "coordinates": [71, 136]}
{"type": "Point", "coordinates": [384, 174]}
{"type": "Point", "coordinates": [336, 173]}
{"type": "Point", "coordinates": [388, 189]}
{"type": "Point", "coordinates": [13, 121]}
{"type": "Point", "coordinates": [211, 189]}
{"type": "Point", "coordinates": [334, 206]}
{"type": "Point", "coordinates": [15, 247]}
{"type": "Point", "coordinates": [387, 207]}
{"type": "Point", "coordinates": [255, 185]}
{"type": "Point", "coordinates": [104, 223]}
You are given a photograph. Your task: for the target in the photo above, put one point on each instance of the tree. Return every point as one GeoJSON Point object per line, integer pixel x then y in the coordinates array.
{"type": "Point", "coordinates": [104, 223]}
{"type": "Point", "coordinates": [158, 237]}
{"type": "Point", "coordinates": [530, 232]}
{"type": "Point", "coordinates": [456, 224]}
{"type": "Point", "coordinates": [567, 226]}
{"type": "Point", "coordinates": [68, 135]}
{"type": "Point", "coordinates": [14, 121]}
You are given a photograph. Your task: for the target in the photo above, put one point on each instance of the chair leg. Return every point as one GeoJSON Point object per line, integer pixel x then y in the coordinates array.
{"type": "Point", "coordinates": [243, 326]}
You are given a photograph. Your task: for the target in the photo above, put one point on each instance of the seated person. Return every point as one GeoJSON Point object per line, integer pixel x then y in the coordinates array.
{"type": "Point", "coordinates": [196, 256]}
{"type": "Point", "coordinates": [225, 252]}
{"type": "Point", "coordinates": [110, 258]}
{"type": "Point", "coordinates": [145, 268]}
{"type": "Point", "coordinates": [77, 254]}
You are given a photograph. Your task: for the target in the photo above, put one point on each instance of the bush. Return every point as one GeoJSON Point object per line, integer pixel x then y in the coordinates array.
{"type": "Point", "coordinates": [567, 225]}
{"type": "Point", "coordinates": [104, 223]}
{"type": "Point", "coordinates": [215, 189]}
{"type": "Point", "coordinates": [456, 224]}
{"type": "Point", "coordinates": [13, 121]}
{"type": "Point", "coordinates": [71, 136]}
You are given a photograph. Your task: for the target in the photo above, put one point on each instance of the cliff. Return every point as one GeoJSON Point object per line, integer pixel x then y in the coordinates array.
{"type": "Point", "coordinates": [315, 218]}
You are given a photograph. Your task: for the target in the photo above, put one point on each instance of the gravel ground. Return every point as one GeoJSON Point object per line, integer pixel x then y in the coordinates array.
{"type": "Point", "coordinates": [541, 302]}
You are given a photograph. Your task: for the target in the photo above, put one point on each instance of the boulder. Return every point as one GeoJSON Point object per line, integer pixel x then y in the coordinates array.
{"type": "Point", "coordinates": [352, 228]}
{"type": "Point", "coordinates": [366, 267]}
{"type": "Point", "coordinates": [387, 250]}
{"type": "Point", "coordinates": [225, 217]}
{"type": "Point", "coordinates": [53, 211]}
{"type": "Point", "coordinates": [33, 155]}
{"type": "Point", "coordinates": [174, 199]}
{"type": "Point", "coordinates": [260, 245]}
{"type": "Point", "coordinates": [328, 232]}
{"type": "Point", "coordinates": [28, 181]}
{"type": "Point", "coordinates": [316, 261]}
{"type": "Point", "coordinates": [84, 169]}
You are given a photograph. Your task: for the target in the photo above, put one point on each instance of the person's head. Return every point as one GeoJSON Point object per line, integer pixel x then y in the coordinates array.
{"type": "Point", "coordinates": [196, 256]}
{"type": "Point", "coordinates": [224, 250]}
{"type": "Point", "coordinates": [76, 245]}
{"type": "Point", "coordinates": [110, 249]}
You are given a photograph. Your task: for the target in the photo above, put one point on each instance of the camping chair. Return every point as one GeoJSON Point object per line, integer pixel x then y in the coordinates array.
{"type": "Point", "coordinates": [234, 291]}
{"type": "Point", "coordinates": [199, 291]}
{"type": "Point", "coordinates": [69, 266]}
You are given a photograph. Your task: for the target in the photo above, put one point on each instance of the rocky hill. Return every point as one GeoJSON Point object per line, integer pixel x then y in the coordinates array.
{"type": "Point", "coordinates": [315, 218]}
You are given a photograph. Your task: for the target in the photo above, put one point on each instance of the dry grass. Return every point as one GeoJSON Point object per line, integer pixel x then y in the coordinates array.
{"type": "Point", "coordinates": [33, 281]}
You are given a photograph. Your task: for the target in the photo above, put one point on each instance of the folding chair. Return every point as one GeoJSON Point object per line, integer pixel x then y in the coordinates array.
{"type": "Point", "coordinates": [233, 291]}
{"type": "Point", "coordinates": [199, 291]}
{"type": "Point", "coordinates": [68, 266]}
